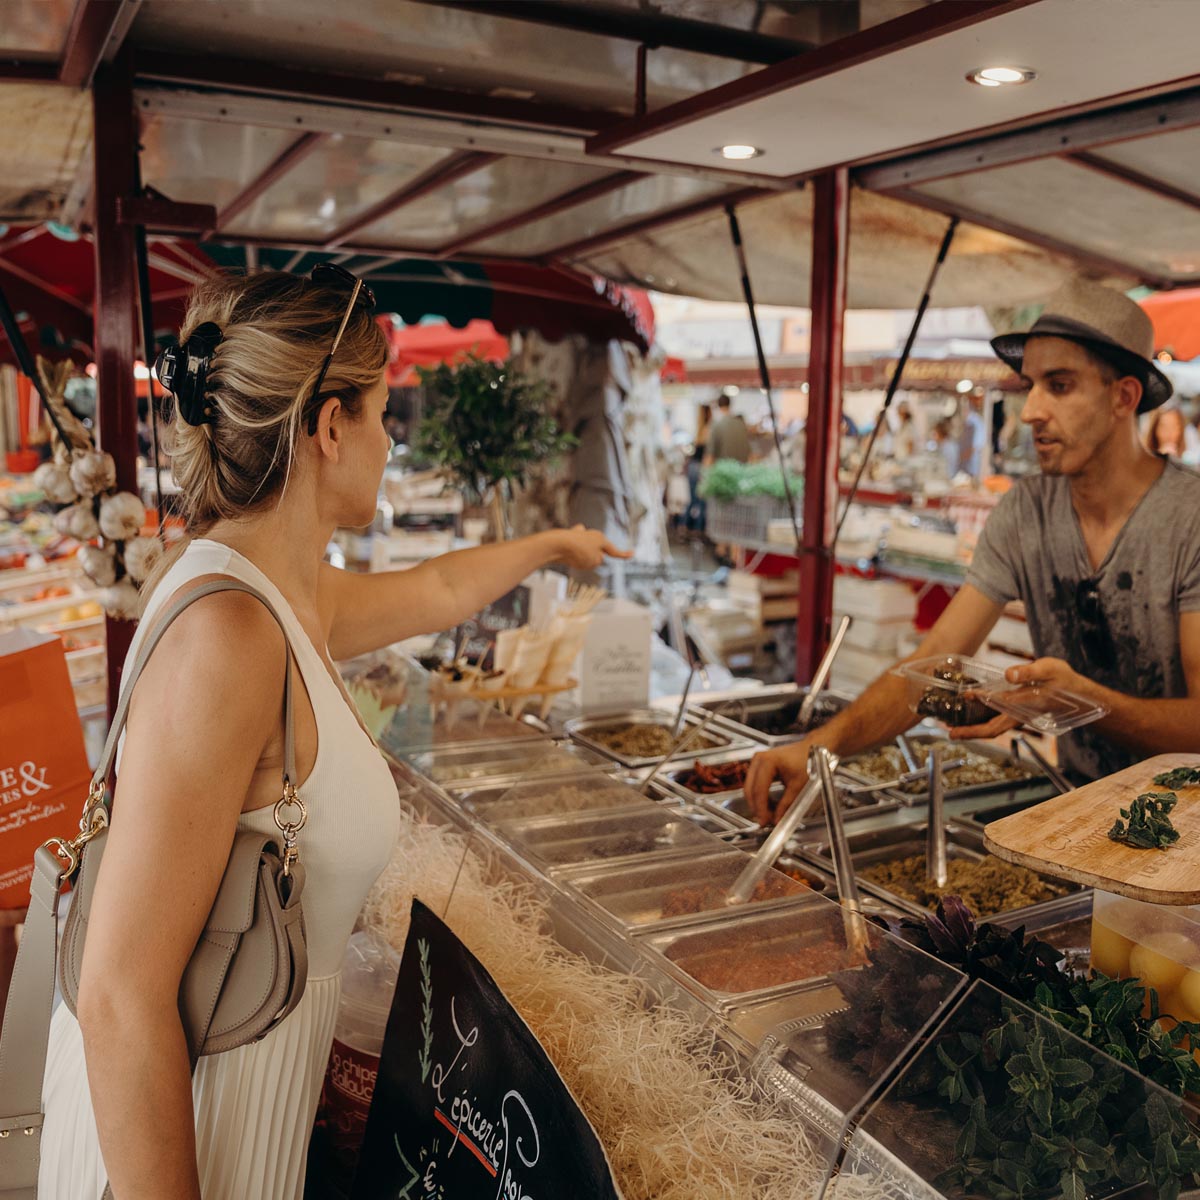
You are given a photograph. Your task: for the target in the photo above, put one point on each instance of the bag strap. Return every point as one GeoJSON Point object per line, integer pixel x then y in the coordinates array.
{"type": "Point", "coordinates": [109, 754]}
{"type": "Point", "coordinates": [25, 1034]}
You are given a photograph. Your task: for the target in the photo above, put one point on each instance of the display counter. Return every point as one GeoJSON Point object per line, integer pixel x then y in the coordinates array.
{"type": "Point", "coordinates": [880, 1052]}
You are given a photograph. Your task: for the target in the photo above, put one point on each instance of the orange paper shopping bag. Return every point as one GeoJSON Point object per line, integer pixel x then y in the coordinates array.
{"type": "Point", "coordinates": [44, 772]}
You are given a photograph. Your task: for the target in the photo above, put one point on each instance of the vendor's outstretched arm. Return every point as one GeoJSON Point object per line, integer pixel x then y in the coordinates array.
{"type": "Point", "coordinates": [879, 714]}
{"type": "Point", "coordinates": [367, 612]}
{"type": "Point", "coordinates": [1143, 725]}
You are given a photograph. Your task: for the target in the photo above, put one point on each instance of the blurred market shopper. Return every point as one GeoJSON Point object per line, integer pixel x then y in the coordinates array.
{"type": "Point", "coordinates": [728, 436]}
{"type": "Point", "coordinates": [279, 440]}
{"type": "Point", "coordinates": [1103, 548]}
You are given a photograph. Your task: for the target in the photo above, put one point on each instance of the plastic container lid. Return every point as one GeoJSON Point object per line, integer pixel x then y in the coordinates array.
{"type": "Point", "coordinates": [933, 670]}
{"type": "Point", "coordinates": [1048, 710]}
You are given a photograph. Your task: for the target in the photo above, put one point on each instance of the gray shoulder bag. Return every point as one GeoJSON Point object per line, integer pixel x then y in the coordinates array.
{"type": "Point", "coordinates": [246, 973]}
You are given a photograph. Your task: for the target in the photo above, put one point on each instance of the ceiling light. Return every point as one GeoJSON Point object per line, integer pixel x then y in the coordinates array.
{"type": "Point", "coordinates": [1001, 76]}
{"type": "Point", "coordinates": [1165, 356]}
{"type": "Point", "coordinates": [738, 153]}
{"type": "Point", "coordinates": [963, 386]}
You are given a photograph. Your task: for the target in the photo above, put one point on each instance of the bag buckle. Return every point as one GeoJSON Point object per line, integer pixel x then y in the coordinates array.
{"type": "Point", "coordinates": [289, 829]}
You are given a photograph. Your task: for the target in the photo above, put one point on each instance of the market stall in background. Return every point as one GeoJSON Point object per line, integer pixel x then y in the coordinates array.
{"type": "Point", "coordinates": [599, 218]}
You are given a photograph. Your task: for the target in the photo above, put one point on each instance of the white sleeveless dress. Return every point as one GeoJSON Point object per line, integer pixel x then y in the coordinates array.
{"type": "Point", "coordinates": [255, 1105]}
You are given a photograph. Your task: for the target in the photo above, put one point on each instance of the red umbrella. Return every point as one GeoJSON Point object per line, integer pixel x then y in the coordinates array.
{"type": "Point", "coordinates": [1176, 317]}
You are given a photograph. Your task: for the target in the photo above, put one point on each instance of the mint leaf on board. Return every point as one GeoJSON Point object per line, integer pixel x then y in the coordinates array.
{"type": "Point", "coordinates": [1149, 822]}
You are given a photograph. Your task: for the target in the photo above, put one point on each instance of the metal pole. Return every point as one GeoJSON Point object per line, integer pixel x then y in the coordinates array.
{"type": "Point", "coordinates": [145, 304]}
{"type": "Point", "coordinates": [764, 373]}
{"type": "Point", "coordinates": [25, 362]}
{"type": "Point", "coordinates": [830, 241]}
{"type": "Point", "coordinates": [115, 151]}
{"type": "Point", "coordinates": [898, 371]}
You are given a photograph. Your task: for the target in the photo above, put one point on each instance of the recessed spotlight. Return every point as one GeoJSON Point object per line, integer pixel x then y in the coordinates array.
{"type": "Point", "coordinates": [1165, 356]}
{"type": "Point", "coordinates": [963, 386]}
{"type": "Point", "coordinates": [1001, 76]}
{"type": "Point", "coordinates": [739, 153]}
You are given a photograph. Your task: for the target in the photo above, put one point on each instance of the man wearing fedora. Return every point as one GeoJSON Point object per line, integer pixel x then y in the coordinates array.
{"type": "Point", "coordinates": [1103, 548]}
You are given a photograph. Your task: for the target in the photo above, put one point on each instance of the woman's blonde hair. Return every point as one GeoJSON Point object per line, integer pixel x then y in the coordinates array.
{"type": "Point", "coordinates": [276, 329]}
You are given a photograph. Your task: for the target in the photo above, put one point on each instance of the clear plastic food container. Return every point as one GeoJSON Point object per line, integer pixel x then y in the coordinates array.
{"type": "Point", "coordinates": [1047, 710]}
{"type": "Point", "coordinates": [949, 688]}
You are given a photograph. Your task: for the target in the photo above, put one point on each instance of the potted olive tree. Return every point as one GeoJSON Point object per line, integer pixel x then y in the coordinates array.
{"type": "Point", "coordinates": [487, 426]}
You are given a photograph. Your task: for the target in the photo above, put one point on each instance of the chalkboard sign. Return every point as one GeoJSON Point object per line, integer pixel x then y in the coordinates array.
{"type": "Point", "coordinates": [510, 611]}
{"type": "Point", "coordinates": [467, 1105]}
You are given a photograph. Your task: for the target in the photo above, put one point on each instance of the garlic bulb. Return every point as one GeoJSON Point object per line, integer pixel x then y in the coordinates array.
{"type": "Point", "coordinates": [121, 601]}
{"type": "Point", "coordinates": [77, 521]}
{"type": "Point", "coordinates": [55, 481]}
{"type": "Point", "coordinates": [121, 516]}
{"type": "Point", "coordinates": [93, 472]}
{"type": "Point", "coordinates": [141, 554]}
{"type": "Point", "coordinates": [100, 566]}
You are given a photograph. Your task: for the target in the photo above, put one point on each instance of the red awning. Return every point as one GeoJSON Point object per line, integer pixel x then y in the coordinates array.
{"type": "Point", "coordinates": [1176, 317]}
{"type": "Point", "coordinates": [428, 345]}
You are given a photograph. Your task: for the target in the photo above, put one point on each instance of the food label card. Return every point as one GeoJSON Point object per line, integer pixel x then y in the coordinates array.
{"type": "Point", "coordinates": [467, 1105]}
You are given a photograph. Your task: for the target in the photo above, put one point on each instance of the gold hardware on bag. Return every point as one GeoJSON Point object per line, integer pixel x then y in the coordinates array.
{"type": "Point", "coordinates": [289, 829]}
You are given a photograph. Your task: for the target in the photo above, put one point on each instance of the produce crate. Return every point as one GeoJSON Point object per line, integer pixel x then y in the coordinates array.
{"type": "Point", "coordinates": [746, 519]}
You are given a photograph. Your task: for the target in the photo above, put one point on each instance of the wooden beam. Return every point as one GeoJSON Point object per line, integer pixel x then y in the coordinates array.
{"type": "Point", "coordinates": [1136, 178]}
{"type": "Point", "coordinates": [550, 208]}
{"type": "Point", "coordinates": [95, 25]}
{"type": "Point", "coordinates": [440, 175]}
{"type": "Point", "coordinates": [283, 162]}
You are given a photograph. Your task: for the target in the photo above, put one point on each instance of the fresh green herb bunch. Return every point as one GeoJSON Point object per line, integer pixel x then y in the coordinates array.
{"type": "Point", "coordinates": [1178, 777]}
{"type": "Point", "coordinates": [729, 480]}
{"type": "Point", "coordinates": [1149, 818]}
{"type": "Point", "coordinates": [1037, 1119]}
{"type": "Point", "coordinates": [1041, 1120]}
{"type": "Point", "coordinates": [487, 424]}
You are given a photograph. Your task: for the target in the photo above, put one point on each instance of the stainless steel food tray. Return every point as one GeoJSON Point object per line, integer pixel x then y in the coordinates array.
{"type": "Point", "coordinates": [497, 802]}
{"type": "Point", "coordinates": [461, 768]}
{"type": "Point", "coordinates": [584, 729]}
{"type": "Point", "coordinates": [737, 712]}
{"type": "Point", "coordinates": [630, 895]}
{"type": "Point", "coordinates": [553, 844]}
{"type": "Point", "coordinates": [871, 846]}
{"type": "Point", "coordinates": [783, 930]}
{"type": "Point", "coordinates": [1034, 788]}
{"type": "Point", "coordinates": [874, 805]}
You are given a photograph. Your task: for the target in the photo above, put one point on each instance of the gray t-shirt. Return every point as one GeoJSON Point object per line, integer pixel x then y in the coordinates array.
{"type": "Point", "coordinates": [729, 438]}
{"type": "Point", "coordinates": [1119, 624]}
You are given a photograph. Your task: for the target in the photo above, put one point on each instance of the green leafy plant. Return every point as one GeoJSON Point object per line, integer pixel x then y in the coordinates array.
{"type": "Point", "coordinates": [729, 480]}
{"type": "Point", "coordinates": [1149, 818]}
{"type": "Point", "coordinates": [1038, 1119]}
{"type": "Point", "coordinates": [1178, 777]}
{"type": "Point", "coordinates": [487, 425]}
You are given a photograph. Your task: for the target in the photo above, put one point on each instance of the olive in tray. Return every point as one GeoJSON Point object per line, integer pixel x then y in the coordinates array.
{"type": "Point", "coordinates": [708, 779]}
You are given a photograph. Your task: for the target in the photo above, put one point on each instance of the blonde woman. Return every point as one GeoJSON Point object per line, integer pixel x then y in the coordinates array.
{"type": "Point", "coordinates": [279, 440]}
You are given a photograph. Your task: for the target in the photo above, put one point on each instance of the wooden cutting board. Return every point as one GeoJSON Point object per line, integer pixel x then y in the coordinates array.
{"type": "Point", "coordinates": [1067, 837]}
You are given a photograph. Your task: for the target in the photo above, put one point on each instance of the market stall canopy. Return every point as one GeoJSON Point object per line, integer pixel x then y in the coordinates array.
{"type": "Point", "coordinates": [48, 274]}
{"type": "Point", "coordinates": [552, 132]}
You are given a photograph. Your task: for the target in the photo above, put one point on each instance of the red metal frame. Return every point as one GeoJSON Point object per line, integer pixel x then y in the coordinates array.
{"type": "Point", "coordinates": [441, 174]}
{"type": "Point", "coordinates": [27, 292]}
{"type": "Point", "coordinates": [550, 208]}
{"type": "Point", "coordinates": [1100, 123]}
{"type": "Point", "coordinates": [830, 245]}
{"type": "Point", "coordinates": [1124, 174]}
{"type": "Point", "coordinates": [1100, 262]}
{"type": "Point", "coordinates": [668, 216]}
{"type": "Point", "coordinates": [911, 29]}
{"type": "Point", "coordinates": [643, 25]}
{"type": "Point", "coordinates": [117, 337]}
{"type": "Point", "coordinates": [283, 162]}
{"type": "Point", "coordinates": [261, 78]}
{"type": "Point", "coordinates": [92, 25]}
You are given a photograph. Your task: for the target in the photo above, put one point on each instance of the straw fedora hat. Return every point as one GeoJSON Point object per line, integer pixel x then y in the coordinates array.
{"type": "Point", "coordinates": [1107, 323]}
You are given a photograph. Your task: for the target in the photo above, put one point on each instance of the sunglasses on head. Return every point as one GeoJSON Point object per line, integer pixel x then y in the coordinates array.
{"type": "Point", "coordinates": [330, 275]}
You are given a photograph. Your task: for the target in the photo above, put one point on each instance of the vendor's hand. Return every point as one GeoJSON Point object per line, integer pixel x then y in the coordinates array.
{"type": "Point", "coordinates": [1045, 672]}
{"type": "Point", "coordinates": [584, 549]}
{"type": "Point", "coordinates": [788, 764]}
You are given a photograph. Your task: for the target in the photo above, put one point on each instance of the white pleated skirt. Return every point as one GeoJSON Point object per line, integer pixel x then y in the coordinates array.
{"type": "Point", "coordinates": [254, 1106]}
